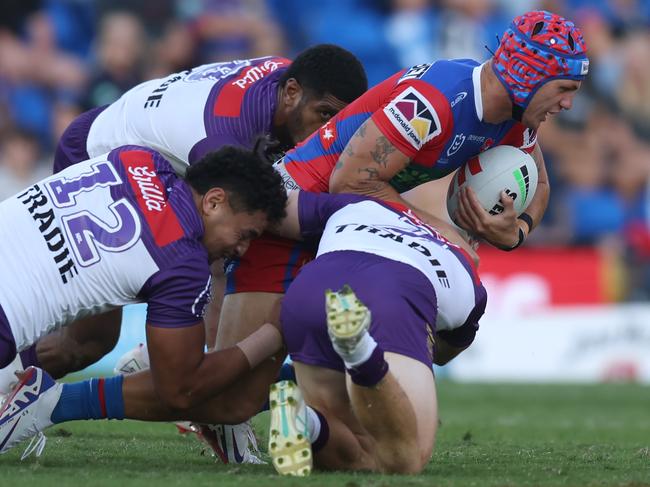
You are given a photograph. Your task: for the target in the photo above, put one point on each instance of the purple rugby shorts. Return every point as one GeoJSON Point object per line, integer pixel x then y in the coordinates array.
{"type": "Point", "coordinates": [402, 301]}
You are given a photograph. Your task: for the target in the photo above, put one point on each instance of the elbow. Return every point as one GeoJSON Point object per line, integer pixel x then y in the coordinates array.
{"type": "Point", "coordinates": [339, 185]}
{"type": "Point", "coordinates": [346, 183]}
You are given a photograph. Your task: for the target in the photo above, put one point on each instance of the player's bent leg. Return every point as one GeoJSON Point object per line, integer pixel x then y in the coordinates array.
{"type": "Point", "coordinates": [80, 344]}
{"type": "Point", "coordinates": [347, 445]}
{"type": "Point", "coordinates": [402, 427]}
{"type": "Point", "coordinates": [241, 315]}
{"type": "Point", "coordinates": [213, 309]}
{"type": "Point", "coordinates": [399, 306]}
{"type": "Point", "coordinates": [404, 416]}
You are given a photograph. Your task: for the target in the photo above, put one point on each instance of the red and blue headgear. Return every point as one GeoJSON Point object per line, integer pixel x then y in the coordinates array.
{"type": "Point", "coordinates": [538, 47]}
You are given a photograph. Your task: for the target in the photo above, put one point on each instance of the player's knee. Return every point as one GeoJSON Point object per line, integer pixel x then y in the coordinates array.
{"type": "Point", "coordinates": [402, 464]}
{"type": "Point", "coordinates": [403, 457]}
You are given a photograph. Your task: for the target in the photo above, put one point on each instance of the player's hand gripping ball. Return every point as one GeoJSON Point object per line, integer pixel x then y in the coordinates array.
{"type": "Point", "coordinates": [501, 168]}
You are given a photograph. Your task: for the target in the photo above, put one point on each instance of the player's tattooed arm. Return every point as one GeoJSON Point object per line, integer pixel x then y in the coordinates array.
{"type": "Point", "coordinates": [367, 164]}
{"type": "Point", "coordinates": [370, 179]}
{"type": "Point", "coordinates": [382, 150]}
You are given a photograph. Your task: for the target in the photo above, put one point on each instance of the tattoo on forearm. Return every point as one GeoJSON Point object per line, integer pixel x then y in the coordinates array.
{"type": "Point", "coordinates": [372, 180]}
{"type": "Point", "coordinates": [361, 131]}
{"type": "Point", "coordinates": [372, 174]}
{"type": "Point", "coordinates": [382, 150]}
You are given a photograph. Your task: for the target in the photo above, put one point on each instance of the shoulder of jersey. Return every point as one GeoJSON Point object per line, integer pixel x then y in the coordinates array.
{"type": "Point", "coordinates": [447, 76]}
{"type": "Point", "coordinates": [153, 158]}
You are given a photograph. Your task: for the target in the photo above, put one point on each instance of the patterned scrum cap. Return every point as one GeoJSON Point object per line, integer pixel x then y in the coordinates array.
{"type": "Point", "coordinates": [537, 47]}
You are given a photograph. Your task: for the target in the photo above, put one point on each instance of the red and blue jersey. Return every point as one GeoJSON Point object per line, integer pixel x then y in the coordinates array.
{"type": "Point", "coordinates": [433, 113]}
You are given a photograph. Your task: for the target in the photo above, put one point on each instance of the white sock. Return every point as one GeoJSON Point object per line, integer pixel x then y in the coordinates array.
{"type": "Point", "coordinates": [313, 424]}
{"type": "Point", "coordinates": [361, 352]}
{"type": "Point", "coordinates": [7, 375]}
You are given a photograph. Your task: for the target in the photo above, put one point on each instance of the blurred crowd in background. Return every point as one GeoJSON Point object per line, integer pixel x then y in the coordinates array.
{"type": "Point", "coordinates": [61, 57]}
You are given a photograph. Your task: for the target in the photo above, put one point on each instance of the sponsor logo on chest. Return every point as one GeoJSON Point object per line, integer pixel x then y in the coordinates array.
{"type": "Point", "coordinates": [151, 191]}
{"type": "Point", "coordinates": [151, 196]}
{"type": "Point", "coordinates": [414, 117]}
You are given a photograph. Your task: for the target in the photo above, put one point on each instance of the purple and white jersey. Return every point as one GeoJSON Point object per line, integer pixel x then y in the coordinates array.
{"type": "Point", "coordinates": [188, 114]}
{"type": "Point", "coordinates": [117, 229]}
{"type": "Point", "coordinates": [392, 231]}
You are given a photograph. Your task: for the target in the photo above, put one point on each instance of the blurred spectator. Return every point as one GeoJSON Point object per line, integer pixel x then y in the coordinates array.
{"type": "Point", "coordinates": [633, 91]}
{"type": "Point", "coordinates": [410, 31]}
{"type": "Point", "coordinates": [356, 25]}
{"type": "Point", "coordinates": [174, 51]}
{"type": "Point", "coordinates": [19, 162]}
{"type": "Point", "coordinates": [465, 27]}
{"type": "Point", "coordinates": [233, 29]}
{"type": "Point", "coordinates": [154, 15]}
{"type": "Point", "coordinates": [33, 68]}
{"type": "Point", "coordinates": [120, 54]}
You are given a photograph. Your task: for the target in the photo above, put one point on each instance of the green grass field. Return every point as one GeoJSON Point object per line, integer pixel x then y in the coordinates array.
{"type": "Point", "coordinates": [491, 435]}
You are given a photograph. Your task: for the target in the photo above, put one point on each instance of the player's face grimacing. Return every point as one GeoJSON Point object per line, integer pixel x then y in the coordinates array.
{"type": "Point", "coordinates": [310, 114]}
{"type": "Point", "coordinates": [551, 98]}
{"type": "Point", "coordinates": [228, 232]}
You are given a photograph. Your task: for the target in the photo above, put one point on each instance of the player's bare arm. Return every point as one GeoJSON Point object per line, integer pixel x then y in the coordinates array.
{"type": "Point", "coordinates": [502, 230]}
{"type": "Point", "coordinates": [367, 164]}
{"type": "Point", "coordinates": [184, 376]}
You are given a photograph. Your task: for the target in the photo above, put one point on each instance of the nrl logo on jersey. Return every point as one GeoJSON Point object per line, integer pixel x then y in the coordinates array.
{"type": "Point", "coordinates": [455, 146]}
{"type": "Point", "coordinates": [414, 117]}
{"type": "Point", "coordinates": [216, 71]}
{"type": "Point", "coordinates": [415, 72]}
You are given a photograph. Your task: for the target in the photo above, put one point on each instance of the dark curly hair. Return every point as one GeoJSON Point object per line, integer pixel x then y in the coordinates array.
{"type": "Point", "coordinates": [251, 183]}
{"type": "Point", "coordinates": [328, 69]}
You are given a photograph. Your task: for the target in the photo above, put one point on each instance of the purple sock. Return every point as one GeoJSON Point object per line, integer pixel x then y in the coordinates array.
{"type": "Point", "coordinates": [370, 372]}
{"type": "Point", "coordinates": [29, 357]}
{"type": "Point", "coordinates": [324, 434]}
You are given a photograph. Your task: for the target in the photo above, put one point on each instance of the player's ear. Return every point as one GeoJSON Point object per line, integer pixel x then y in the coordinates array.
{"type": "Point", "coordinates": [291, 93]}
{"type": "Point", "coordinates": [213, 200]}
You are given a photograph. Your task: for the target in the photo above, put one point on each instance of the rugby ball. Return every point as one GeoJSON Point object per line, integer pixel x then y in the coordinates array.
{"type": "Point", "coordinates": [501, 168]}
